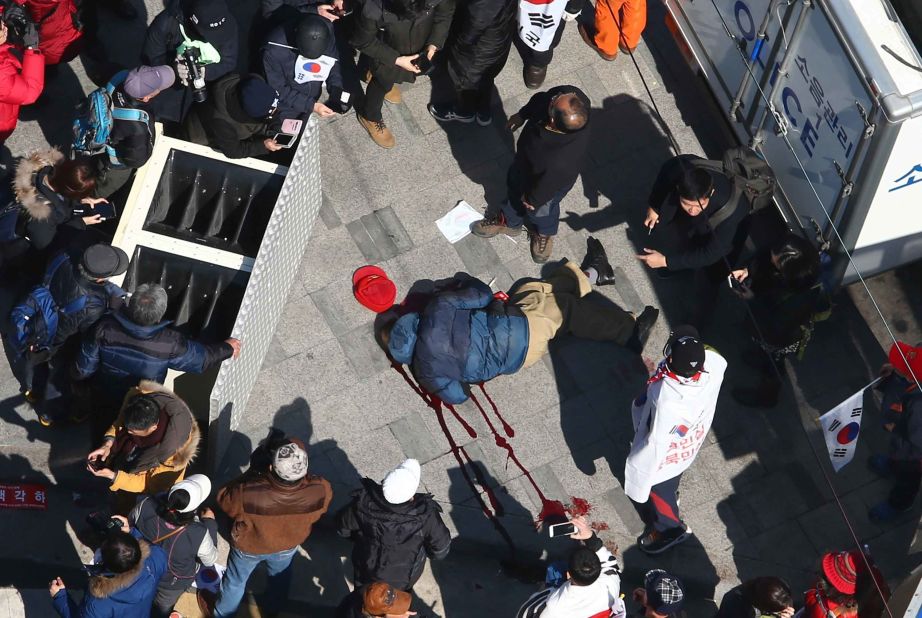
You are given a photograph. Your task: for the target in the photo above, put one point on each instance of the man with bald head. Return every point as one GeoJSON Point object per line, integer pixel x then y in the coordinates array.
{"type": "Point", "coordinates": [548, 158]}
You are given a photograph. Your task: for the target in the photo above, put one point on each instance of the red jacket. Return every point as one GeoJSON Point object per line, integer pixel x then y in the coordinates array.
{"type": "Point", "coordinates": [20, 84]}
{"type": "Point", "coordinates": [59, 38]}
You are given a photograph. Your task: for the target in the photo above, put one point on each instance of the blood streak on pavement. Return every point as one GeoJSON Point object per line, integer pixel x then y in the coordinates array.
{"type": "Point", "coordinates": [550, 509]}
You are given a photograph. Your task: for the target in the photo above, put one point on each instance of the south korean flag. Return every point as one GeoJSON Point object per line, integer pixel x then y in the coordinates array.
{"type": "Point", "coordinates": [538, 22]}
{"type": "Point", "coordinates": [841, 427]}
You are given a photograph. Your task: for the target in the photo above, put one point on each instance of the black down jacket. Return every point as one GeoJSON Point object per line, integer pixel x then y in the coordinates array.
{"type": "Point", "coordinates": [392, 540]}
{"type": "Point", "coordinates": [383, 35]}
{"type": "Point", "coordinates": [160, 43]}
{"type": "Point", "coordinates": [484, 30]}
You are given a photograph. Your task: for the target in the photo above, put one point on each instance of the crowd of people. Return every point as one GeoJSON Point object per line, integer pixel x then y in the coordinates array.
{"type": "Point", "coordinates": [83, 347]}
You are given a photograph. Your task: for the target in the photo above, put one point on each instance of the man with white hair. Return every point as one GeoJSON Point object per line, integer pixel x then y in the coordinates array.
{"type": "Point", "coordinates": [394, 529]}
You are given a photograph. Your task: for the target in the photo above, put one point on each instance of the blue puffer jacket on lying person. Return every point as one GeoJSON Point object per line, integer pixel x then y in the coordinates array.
{"type": "Point", "coordinates": [463, 336]}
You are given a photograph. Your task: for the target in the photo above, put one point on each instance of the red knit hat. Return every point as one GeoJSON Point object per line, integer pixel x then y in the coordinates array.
{"type": "Point", "coordinates": [373, 289]}
{"type": "Point", "coordinates": [913, 355]}
{"type": "Point", "coordinates": [840, 570]}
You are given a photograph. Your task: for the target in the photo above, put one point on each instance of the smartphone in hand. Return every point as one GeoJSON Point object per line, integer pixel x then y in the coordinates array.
{"type": "Point", "coordinates": [423, 64]}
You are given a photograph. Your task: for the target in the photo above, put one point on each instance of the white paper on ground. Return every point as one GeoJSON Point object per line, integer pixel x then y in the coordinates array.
{"type": "Point", "coordinates": [457, 223]}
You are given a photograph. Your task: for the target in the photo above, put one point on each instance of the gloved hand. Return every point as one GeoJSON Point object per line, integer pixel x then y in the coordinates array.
{"type": "Point", "coordinates": [30, 35]}
{"type": "Point", "coordinates": [570, 16]}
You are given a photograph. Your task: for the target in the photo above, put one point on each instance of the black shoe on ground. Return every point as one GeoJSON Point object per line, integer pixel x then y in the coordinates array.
{"type": "Point", "coordinates": [447, 113]}
{"type": "Point", "coordinates": [534, 76]}
{"type": "Point", "coordinates": [642, 327]}
{"type": "Point", "coordinates": [656, 542]}
{"type": "Point", "coordinates": [597, 260]}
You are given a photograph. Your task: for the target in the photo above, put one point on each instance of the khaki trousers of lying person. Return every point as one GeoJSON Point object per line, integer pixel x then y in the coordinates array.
{"type": "Point", "coordinates": [558, 304]}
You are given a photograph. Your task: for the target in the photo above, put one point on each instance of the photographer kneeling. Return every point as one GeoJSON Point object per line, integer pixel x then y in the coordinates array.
{"type": "Point", "coordinates": [592, 586]}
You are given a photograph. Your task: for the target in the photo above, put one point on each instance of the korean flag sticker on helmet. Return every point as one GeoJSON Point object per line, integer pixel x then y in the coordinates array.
{"type": "Point", "coordinates": [313, 69]}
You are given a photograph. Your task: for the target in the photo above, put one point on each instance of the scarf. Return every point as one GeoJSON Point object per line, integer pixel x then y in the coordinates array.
{"type": "Point", "coordinates": [127, 448]}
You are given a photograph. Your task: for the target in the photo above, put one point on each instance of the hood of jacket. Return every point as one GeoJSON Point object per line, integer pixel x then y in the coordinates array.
{"type": "Point", "coordinates": [182, 436]}
{"type": "Point", "coordinates": [27, 193]}
{"type": "Point", "coordinates": [403, 338]}
{"type": "Point", "coordinates": [136, 330]}
{"type": "Point", "coordinates": [103, 587]}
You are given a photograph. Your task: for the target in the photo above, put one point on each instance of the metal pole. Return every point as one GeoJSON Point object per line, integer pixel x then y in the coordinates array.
{"type": "Point", "coordinates": [789, 56]}
{"type": "Point", "coordinates": [758, 42]}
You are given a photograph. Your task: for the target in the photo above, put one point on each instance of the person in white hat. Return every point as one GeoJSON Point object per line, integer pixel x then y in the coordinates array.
{"type": "Point", "coordinates": [394, 528]}
{"type": "Point", "coordinates": [187, 532]}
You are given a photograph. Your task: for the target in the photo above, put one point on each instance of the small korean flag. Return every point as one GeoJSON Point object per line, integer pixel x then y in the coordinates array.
{"type": "Point", "coordinates": [313, 69]}
{"type": "Point", "coordinates": [841, 427]}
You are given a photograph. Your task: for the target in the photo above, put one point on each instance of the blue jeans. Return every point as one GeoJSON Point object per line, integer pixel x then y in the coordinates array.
{"type": "Point", "coordinates": [240, 565]}
{"type": "Point", "coordinates": [544, 219]}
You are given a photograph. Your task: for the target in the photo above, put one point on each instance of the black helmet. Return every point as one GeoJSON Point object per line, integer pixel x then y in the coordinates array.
{"type": "Point", "coordinates": [312, 36]}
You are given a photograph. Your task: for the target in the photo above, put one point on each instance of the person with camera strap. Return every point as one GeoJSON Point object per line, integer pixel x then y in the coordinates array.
{"type": "Point", "coordinates": [22, 66]}
{"type": "Point", "coordinates": [186, 531]}
{"type": "Point", "coordinates": [198, 37]}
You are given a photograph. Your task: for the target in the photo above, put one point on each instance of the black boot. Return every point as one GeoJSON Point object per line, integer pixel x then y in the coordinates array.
{"type": "Point", "coordinates": [534, 76]}
{"type": "Point", "coordinates": [642, 327]}
{"type": "Point", "coordinates": [765, 395]}
{"type": "Point", "coordinates": [598, 261]}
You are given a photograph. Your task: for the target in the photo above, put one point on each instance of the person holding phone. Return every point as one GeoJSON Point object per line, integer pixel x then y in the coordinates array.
{"type": "Point", "coordinates": [592, 586]}
{"type": "Point", "coordinates": [237, 119]}
{"type": "Point", "coordinates": [299, 57]}
{"type": "Point", "coordinates": [395, 36]}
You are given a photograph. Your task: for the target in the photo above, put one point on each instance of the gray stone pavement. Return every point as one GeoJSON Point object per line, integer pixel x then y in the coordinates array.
{"type": "Point", "coordinates": [755, 498]}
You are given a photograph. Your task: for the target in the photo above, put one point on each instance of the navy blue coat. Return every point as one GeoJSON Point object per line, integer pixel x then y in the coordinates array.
{"type": "Point", "coordinates": [125, 595]}
{"type": "Point", "coordinates": [462, 337]}
{"type": "Point", "coordinates": [279, 58]}
{"type": "Point", "coordinates": [122, 353]}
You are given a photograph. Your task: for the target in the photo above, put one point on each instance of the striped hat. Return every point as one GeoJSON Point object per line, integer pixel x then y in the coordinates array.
{"type": "Point", "coordinates": [840, 570]}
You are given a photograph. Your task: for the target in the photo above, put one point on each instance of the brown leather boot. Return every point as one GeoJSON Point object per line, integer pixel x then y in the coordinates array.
{"type": "Point", "coordinates": [393, 95]}
{"type": "Point", "coordinates": [378, 131]}
{"type": "Point", "coordinates": [589, 40]}
{"type": "Point", "coordinates": [541, 247]}
{"type": "Point", "coordinates": [494, 225]}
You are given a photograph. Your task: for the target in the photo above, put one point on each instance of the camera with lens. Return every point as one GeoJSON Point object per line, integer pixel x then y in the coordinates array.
{"type": "Point", "coordinates": [191, 58]}
{"type": "Point", "coordinates": [103, 523]}
{"type": "Point", "coordinates": [17, 20]}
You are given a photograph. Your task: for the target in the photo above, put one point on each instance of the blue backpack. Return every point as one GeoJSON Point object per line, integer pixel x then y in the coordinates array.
{"type": "Point", "coordinates": [35, 320]}
{"type": "Point", "coordinates": [93, 124]}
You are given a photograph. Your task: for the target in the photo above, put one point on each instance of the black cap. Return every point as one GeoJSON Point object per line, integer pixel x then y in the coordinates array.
{"type": "Point", "coordinates": [103, 261]}
{"type": "Point", "coordinates": [684, 352]}
{"type": "Point", "coordinates": [208, 14]}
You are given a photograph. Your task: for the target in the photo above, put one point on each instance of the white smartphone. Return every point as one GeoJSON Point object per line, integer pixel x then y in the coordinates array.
{"type": "Point", "coordinates": [565, 529]}
{"type": "Point", "coordinates": [285, 140]}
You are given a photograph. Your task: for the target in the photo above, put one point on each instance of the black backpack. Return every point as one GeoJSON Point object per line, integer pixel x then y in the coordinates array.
{"type": "Point", "coordinates": [753, 180]}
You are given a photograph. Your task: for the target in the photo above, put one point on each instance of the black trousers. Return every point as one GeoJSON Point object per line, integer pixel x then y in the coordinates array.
{"type": "Point", "coordinates": [539, 58]}
{"type": "Point", "coordinates": [374, 98]}
{"type": "Point", "coordinates": [907, 475]}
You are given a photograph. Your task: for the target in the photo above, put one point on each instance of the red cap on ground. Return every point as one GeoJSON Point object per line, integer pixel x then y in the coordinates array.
{"type": "Point", "coordinates": [373, 289]}
{"type": "Point", "coordinates": [913, 355]}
